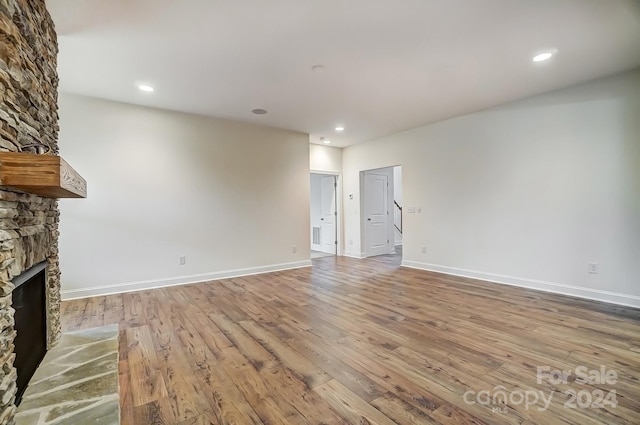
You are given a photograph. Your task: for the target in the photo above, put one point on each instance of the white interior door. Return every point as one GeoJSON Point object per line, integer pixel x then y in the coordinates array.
{"type": "Point", "coordinates": [328, 214]}
{"type": "Point", "coordinates": [376, 214]}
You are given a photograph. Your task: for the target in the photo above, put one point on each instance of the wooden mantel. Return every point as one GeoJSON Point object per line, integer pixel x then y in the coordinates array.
{"type": "Point", "coordinates": [48, 176]}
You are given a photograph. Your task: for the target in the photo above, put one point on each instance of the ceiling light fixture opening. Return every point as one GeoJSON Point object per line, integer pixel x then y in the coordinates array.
{"type": "Point", "coordinates": [317, 68]}
{"type": "Point", "coordinates": [339, 128]}
{"type": "Point", "coordinates": [326, 142]}
{"type": "Point", "coordinates": [146, 88]}
{"type": "Point", "coordinates": [259, 111]}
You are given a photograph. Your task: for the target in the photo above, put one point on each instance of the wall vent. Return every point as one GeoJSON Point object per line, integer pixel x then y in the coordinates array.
{"type": "Point", "coordinates": [316, 235]}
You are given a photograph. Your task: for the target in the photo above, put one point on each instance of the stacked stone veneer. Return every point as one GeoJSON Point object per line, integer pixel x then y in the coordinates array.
{"type": "Point", "coordinates": [28, 122]}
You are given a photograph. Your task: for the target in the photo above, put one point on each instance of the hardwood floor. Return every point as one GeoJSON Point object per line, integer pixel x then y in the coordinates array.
{"type": "Point", "coordinates": [365, 342]}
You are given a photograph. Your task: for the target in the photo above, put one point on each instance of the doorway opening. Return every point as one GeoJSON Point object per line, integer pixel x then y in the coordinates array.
{"type": "Point", "coordinates": [324, 215]}
{"type": "Point", "coordinates": [381, 211]}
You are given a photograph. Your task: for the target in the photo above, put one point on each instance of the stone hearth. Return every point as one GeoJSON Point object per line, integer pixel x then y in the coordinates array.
{"type": "Point", "coordinates": [77, 382]}
{"type": "Point", "coordinates": [28, 123]}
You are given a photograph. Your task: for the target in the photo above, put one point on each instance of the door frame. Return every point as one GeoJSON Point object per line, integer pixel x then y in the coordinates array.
{"type": "Point", "coordinates": [340, 249]}
{"type": "Point", "coordinates": [387, 171]}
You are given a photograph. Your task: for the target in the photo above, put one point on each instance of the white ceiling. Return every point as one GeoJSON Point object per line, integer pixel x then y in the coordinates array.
{"type": "Point", "coordinates": [390, 65]}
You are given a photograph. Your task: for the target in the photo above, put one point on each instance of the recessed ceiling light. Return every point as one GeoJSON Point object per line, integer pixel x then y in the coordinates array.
{"type": "Point", "coordinates": [339, 128]}
{"type": "Point", "coordinates": [317, 68]}
{"type": "Point", "coordinates": [326, 142]}
{"type": "Point", "coordinates": [145, 87]}
{"type": "Point", "coordinates": [542, 57]}
{"type": "Point", "coordinates": [259, 111]}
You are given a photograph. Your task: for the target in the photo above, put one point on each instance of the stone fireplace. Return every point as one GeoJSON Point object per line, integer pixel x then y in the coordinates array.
{"type": "Point", "coordinates": [28, 123]}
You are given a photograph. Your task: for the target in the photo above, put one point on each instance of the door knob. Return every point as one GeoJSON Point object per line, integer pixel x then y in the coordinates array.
{"type": "Point", "coordinates": [322, 219]}
{"type": "Point", "coordinates": [369, 219]}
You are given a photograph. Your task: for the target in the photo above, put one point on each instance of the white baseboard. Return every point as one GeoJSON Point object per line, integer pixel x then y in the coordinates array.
{"type": "Point", "coordinates": [556, 288]}
{"type": "Point", "coordinates": [354, 254]}
{"type": "Point", "coordinates": [175, 281]}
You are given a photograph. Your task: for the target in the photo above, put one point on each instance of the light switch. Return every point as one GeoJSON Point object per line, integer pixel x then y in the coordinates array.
{"type": "Point", "coordinates": [411, 210]}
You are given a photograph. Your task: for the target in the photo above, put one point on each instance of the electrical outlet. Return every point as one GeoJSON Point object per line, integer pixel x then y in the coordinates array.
{"type": "Point", "coordinates": [294, 249]}
{"type": "Point", "coordinates": [594, 268]}
{"type": "Point", "coordinates": [183, 260]}
{"type": "Point", "coordinates": [424, 249]}
{"type": "Point", "coordinates": [350, 241]}
{"type": "Point", "coordinates": [419, 210]}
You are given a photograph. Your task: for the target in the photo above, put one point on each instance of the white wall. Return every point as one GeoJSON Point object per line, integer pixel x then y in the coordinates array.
{"type": "Point", "coordinates": [325, 159]}
{"type": "Point", "coordinates": [526, 194]}
{"type": "Point", "coordinates": [231, 197]}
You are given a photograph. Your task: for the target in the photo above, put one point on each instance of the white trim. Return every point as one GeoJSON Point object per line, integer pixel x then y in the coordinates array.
{"type": "Point", "coordinates": [355, 254]}
{"type": "Point", "coordinates": [539, 285]}
{"type": "Point", "coordinates": [325, 172]}
{"type": "Point", "coordinates": [175, 281]}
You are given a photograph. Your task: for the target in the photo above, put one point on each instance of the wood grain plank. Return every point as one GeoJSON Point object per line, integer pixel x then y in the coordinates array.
{"type": "Point", "coordinates": [133, 310]}
{"type": "Point", "coordinates": [350, 406]}
{"type": "Point", "coordinates": [400, 411]}
{"type": "Point", "coordinates": [308, 372]}
{"type": "Point", "coordinates": [114, 309]}
{"type": "Point", "coordinates": [184, 394]}
{"type": "Point", "coordinates": [157, 412]}
{"type": "Point", "coordinates": [126, 399]}
{"type": "Point", "coordinates": [147, 384]}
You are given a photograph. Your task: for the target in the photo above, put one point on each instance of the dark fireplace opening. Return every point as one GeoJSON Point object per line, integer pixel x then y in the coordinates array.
{"type": "Point", "coordinates": [29, 302]}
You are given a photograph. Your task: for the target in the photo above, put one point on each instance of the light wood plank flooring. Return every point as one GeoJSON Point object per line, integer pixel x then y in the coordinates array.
{"type": "Point", "coordinates": [364, 342]}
